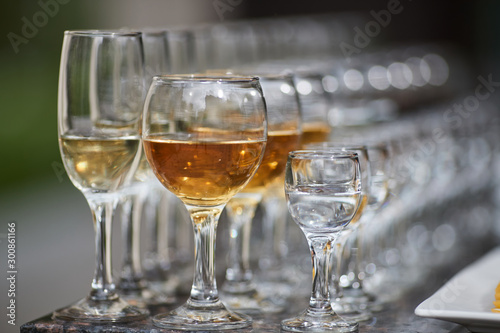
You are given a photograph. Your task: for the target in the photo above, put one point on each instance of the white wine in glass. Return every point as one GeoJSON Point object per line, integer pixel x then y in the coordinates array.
{"type": "Point", "coordinates": [100, 97]}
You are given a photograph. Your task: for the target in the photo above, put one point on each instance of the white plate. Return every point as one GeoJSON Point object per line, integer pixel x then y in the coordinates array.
{"type": "Point", "coordinates": [467, 298]}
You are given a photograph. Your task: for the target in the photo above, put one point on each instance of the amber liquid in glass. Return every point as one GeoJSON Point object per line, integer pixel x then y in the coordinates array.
{"type": "Point", "coordinates": [204, 173]}
{"type": "Point", "coordinates": [314, 132]}
{"type": "Point", "coordinates": [279, 144]}
{"type": "Point", "coordinates": [360, 210]}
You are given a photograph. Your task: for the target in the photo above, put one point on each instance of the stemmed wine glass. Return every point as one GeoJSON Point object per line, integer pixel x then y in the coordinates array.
{"type": "Point", "coordinates": [204, 137]}
{"type": "Point", "coordinates": [323, 190]}
{"type": "Point", "coordinates": [101, 92]}
{"type": "Point", "coordinates": [284, 130]}
{"type": "Point", "coordinates": [277, 272]}
{"type": "Point", "coordinates": [354, 291]}
{"type": "Point", "coordinates": [143, 188]}
{"type": "Point", "coordinates": [341, 306]}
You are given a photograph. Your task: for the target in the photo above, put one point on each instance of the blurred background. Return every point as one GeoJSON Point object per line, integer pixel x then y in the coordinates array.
{"type": "Point", "coordinates": [54, 230]}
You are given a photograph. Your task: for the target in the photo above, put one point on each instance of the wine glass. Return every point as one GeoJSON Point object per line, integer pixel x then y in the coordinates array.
{"type": "Point", "coordinates": [283, 119]}
{"type": "Point", "coordinates": [354, 293]}
{"type": "Point", "coordinates": [323, 192]}
{"type": "Point", "coordinates": [101, 92]}
{"type": "Point", "coordinates": [142, 188]}
{"type": "Point", "coordinates": [204, 137]}
{"type": "Point", "coordinates": [341, 306]}
{"type": "Point", "coordinates": [278, 266]}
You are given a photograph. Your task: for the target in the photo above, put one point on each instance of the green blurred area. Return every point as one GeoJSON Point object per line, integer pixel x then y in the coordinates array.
{"type": "Point", "coordinates": [28, 86]}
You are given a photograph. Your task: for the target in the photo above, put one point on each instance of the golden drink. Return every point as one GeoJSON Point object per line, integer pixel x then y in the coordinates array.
{"type": "Point", "coordinates": [98, 164]}
{"type": "Point", "coordinates": [314, 132]}
{"type": "Point", "coordinates": [279, 144]}
{"type": "Point", "coordinates": [360, 210]}
{"type": "Point", "coordinates": [204, 173]}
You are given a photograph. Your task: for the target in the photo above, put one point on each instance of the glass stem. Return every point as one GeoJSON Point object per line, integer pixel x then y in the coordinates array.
{"type": "Point", "coordinates": [321, 252]}
{"type": "Point", "coordinates": [338, 255]}
{"type": "Point", "coordinates": [238, 273]}
{"type": "Point", "coordinates": [103, 287]}
{"type": "Point", "coordinates": [274, 234]}
{"type": "Point", "coordinates": [131, 275]}
{"type": "Point", "coordinates": [204, 290]}
{"type": "Point", "coordinates": [155, 260]}
{"type": "Point", "coordinates": [358, 243]}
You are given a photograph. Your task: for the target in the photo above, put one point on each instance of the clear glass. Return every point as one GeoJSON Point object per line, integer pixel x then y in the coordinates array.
{"type": "Point", "coordinates": [284, 131]}
{"type": "Point", "coordinates": [181, 51]}
{"type": "Point", "coordinates": [323, 192]}
{"type": "Point", "coordinates": [278, 274]}
{"type": "Point", "coordinates": [204, 137]}
{"type": "Point", "coordinates": [132, 285]}
{"type": "Point", "coordinates": [157, 57]}
{"type": "Point", "coordinates": [342, 305]}
{"type": "Point", "coordinates": [353, 301]}
{"type": "Point", "coordinates": [100, 97]}
{"type": "Point", "coordinates": [353, 289]}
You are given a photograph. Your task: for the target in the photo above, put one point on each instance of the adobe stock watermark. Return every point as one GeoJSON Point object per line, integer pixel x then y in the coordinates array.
{"type": "Point", "coordinates": [59, 170]}
{"type": "Point", "coordinates": [30, 27]}
{"type": "Point", "coordinates": [363, 38]}
{"type": "Point", "coordinates": [223, 6]}
{"type": "Point", "coordinates": [11, 273]}
{"type": "Point", "coordinates": [454, 117]}
{"type": "Point", "coordinates": [450, 292]}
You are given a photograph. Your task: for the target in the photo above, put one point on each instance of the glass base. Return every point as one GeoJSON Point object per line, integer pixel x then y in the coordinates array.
{"type": "Point", "coordinates": [214, 317]}
{"type": "Point", "coordinates": [88, 310]}
{"type": "Point", "coordinates": [311, 322]}
{"type": "Point", "coordinates": [352, 309]}
{"type": "Point", "coordinates": [278, 290]}
{"type": "Point", "coordinates": [253, 303]}
{"type": "Point", "coordinates": [142, 298]}
{"type": "Point", "coordinates": [363, 300]}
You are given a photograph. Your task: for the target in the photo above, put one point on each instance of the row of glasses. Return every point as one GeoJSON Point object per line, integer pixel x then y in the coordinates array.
{"type": "Point", "coordinates": [417, 229]}
{"type": "Point", "coordinates": [106, 94]}
{"type": "Point", "coordinates": [203, 136]}
{"type": "Point", "coordinates": [331, 83]}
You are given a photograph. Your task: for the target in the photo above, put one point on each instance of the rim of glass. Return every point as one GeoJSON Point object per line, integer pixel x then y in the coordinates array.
{"type": "Point", "coordinates": [281, 76]}
{"type": "Point", "coordinates": [322, 153]}
{"type": "Point", "coordinates": [335, 146]}
{"type": "Point", "coordinates": [153, 32]}
{"type": "Point", "coordinates": [204, 78]}
{"type": "Point", "coordinates": [103, 33]}
{"type": "Point", "coordinates": [368, 143]}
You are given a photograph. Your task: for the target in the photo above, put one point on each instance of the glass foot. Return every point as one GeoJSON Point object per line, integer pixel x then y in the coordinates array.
{"type": "Point", "coordinates": [213, 317]}
{"type": "Point", "coordinates": [312, 322]}
{"type": "Point", "coordinates": [145, 297]}
{"type": "Point", "coordinates": [361, 300]}
{"type": "Point", "coordinates": [253, 303]}
{"type": "Point", "coordinates": [88, 310]}
{"type": "Point", "coordinates": [351, 310]}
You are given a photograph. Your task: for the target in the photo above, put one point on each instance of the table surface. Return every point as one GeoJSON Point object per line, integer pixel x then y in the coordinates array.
{"type": "Point", "coordinates": [397, 318]}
